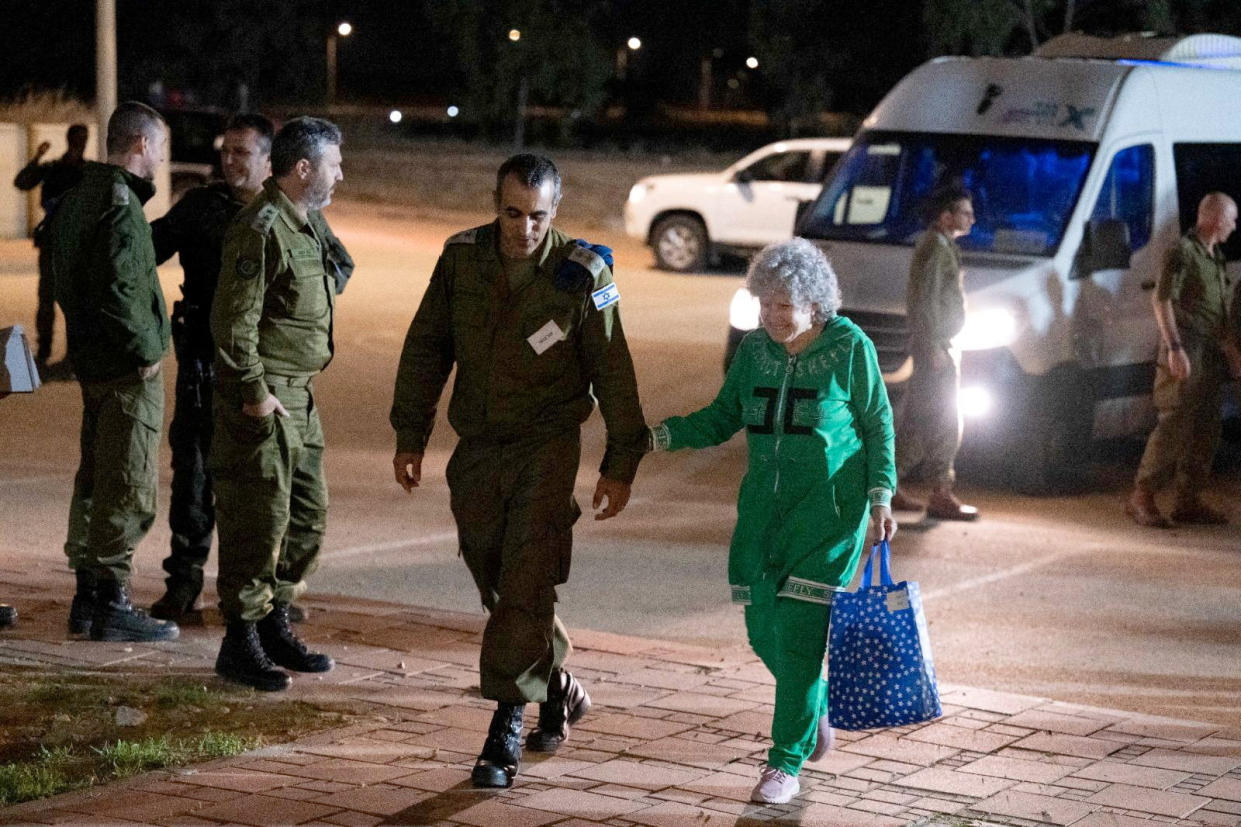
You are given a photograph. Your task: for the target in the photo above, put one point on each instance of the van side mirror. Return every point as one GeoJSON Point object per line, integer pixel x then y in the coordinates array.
{"type": "Point", "coordinates": [803, 207]}
{"type": "Point", "coordinates": [1105, 246]}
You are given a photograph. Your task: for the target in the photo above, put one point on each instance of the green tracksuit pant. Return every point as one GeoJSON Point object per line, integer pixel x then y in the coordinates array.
{"type": "Point", "coordinates": [790, 636]}
{"type": "Point", "coordinates": [514, 508]}
{"type": "Point", "coordinates": [271, 500]}
{"type": "Point", "coordinates": [114, 491]}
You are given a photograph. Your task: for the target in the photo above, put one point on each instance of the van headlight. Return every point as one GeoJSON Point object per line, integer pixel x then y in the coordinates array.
{"type": "Point", "coordinates": [974, 402]}
{"type": "Point", "coordinates": [638, 191]}
{"type": "Point", "coordinates": [743, 311]}
{"type": "Point", "coordinates": [987, 328]}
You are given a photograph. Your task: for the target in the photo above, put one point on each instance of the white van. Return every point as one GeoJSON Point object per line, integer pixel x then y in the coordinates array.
{"type": "Point", "coordinates": [1086, 162]}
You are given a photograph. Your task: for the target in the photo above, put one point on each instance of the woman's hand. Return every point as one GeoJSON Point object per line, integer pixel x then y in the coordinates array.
{"type": "Point", "coordinates": [882, 524]}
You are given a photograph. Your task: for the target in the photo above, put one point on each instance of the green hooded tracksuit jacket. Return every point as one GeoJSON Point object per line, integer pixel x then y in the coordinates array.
{"type": "Point", "coordinates": [819, 431]}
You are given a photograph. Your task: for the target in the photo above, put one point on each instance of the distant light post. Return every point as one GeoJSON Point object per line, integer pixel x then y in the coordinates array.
{"type": "Point", "coordinates": [633, 44]}
{"type": "Point", "coordinates": [751, 62]}
{"type": "Point", "coordinates": [523, 93]}
{"type": "Point", "coordinates": [342, 29]}
{"type": "Point", "coordinates": [514, 35]}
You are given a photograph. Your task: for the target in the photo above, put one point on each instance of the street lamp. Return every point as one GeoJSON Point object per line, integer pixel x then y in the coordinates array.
{"type": "Point", "coordinates": [514, 35]}
{"type": "Point", "coordinates": [751, 62]}
{"type": "Point", "coordinates": [633, 44]}
{"type": "Point", "coordinates": [342, 29]}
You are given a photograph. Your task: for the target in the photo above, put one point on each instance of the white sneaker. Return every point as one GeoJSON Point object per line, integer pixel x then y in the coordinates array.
{"type": "Point", "coordinates": [775, 787]}
{"type": "Point", "coordinates": [826, 740]}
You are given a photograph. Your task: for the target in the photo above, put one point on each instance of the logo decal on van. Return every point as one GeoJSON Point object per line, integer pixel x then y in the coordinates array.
{"type": "Point", "coordinates": [1046, 113]}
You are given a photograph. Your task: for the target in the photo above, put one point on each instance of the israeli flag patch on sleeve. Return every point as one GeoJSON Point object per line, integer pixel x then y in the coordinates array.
{"type": "Point", "coordinates": [606, 296]}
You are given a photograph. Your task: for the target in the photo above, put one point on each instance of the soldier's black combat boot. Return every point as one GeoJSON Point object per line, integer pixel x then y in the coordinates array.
{"type": "Point", "coordinates": [566, 703]}
{"type": "Point", "coordinates": [242, 659]}
{"type": "Point", "coordinates": [500, 759]}
{"type": "Point", "coordinates": [284, 647]}
{"type": "Point", "coordinates": [178, 603]}
{"type": "Point", "coordinates": [82, 609]}
{"type": "Point", "coordinates": [116, 618]}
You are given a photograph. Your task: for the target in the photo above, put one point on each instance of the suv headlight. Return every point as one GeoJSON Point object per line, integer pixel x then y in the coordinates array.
{"type": "Point", "coordinates": [987, 328]}
{"type": "Point", "coordinates": [638, 191]}
{"type": "Point", "coordinates": [743, 310]}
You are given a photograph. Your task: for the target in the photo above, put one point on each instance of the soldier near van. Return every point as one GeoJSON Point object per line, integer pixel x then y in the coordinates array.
{"type": "Point", "coordinates": [57, 178]}
{"type": "Point", "coordinates": [194, 228]}
{"type": "Point", "coordinates": [1190, 304]}
{"type": "Point", "coordinates": [530, 319]}
{"type": "Point", "coordinates": [116, 325]}
{"type": "Point", "coordinates": [271, 322]}
{"type": "Point", "coordinates": [928, 426]}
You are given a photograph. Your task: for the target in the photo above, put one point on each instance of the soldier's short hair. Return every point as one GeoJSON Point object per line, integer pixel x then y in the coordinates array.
{"type": "Point", "coordinates": [261, 125]}
{"type": "Point", "coordinates": [531, 170]}
{"type": "Point", "coordinates": [303, 137]}
{"type": "Point", "coordinates": [943, 198]}
{"type": "Point", "coordinates": [131, 121]}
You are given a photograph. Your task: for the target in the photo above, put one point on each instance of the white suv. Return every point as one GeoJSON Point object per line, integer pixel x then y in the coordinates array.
{"type": "Point", "coordinates": [688, 219]}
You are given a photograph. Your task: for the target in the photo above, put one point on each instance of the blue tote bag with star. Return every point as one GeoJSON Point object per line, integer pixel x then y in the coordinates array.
{"type": "Point", "coordinates": [880, 672]}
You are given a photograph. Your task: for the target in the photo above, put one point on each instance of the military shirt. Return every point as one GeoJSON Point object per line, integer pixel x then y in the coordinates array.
{"type": "Point", "coordinates": [103, 263]}
{"type": "Point", "coordinates": [274, 303]}
{"type": "Point", "coordinates": [935, 296]}
{"type": "Point", "coordinates": [1196, 282]}
{"type": "Point", "coordinates": [528, 361]}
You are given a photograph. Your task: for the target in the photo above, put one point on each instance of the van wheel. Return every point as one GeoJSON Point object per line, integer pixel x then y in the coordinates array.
{"type": "Point", "coordinates": [1052, 448]}
{"type": "Point", "coordinates": [680, 244]}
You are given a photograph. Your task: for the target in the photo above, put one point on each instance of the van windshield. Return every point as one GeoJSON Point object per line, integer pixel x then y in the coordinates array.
{"type": "Point", "coordinates": [1024, 189]}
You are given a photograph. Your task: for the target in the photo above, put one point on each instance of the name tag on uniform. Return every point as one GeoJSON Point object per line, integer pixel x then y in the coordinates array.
{"type": "Point", "coordinates": [606, 296]}
{"type": "Point", "coordinates": [545, 337]}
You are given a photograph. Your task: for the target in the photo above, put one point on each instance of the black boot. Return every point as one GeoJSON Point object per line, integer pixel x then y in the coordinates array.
{"type": "Point", "coordinates": [285, 648]}
{"type": "Point", "coordinates": [178, 603]}
{"type": "Point", "coordinates": [83, 606]}
{"type": "Point", "coordinates": [500, 759]}
{"type": "Point", "coordinates": [242, 659]}
{"type": "Point", "coordinates": [566, 703]}
{"type": "Point", "coordinates": [116, 619]}
{"type": "Point", "coordinates": [8, 616]}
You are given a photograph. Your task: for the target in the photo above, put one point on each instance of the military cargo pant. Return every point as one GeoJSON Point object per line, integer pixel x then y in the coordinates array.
{"type": "Point", "coordinates": [928, 427]}
{"type": "Point", "coordinates": [191, 506]}
{"type": "Point", "coordinates": [790, 636]}
{"type": "Point", "coordinates": [114, 491]}
{"type": "Point", "coordinates": [270, 499]}
{"type": "Point", "coordinates": [1182, 446]}
{"type": "Point", "coordinates": [45, 311]}
{"type": "Point", "coordinates": [514, 507]}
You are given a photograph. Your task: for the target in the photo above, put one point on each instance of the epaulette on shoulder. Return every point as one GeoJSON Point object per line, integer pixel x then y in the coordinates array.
{"type": "Point", "coordinates": [589, 259]}
{"type": "Point", "coordinates": [464, 237]}
{"type": "Point", "coordinates": [120, 193]}
{"type": "Point", "coordinates": [264, 218]}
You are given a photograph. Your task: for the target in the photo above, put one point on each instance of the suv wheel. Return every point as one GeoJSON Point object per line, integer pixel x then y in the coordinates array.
{"type": "Point", "coordinates": [680, 243]}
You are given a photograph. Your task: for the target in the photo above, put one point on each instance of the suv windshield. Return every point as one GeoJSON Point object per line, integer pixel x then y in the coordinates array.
{"type": "Point", "coordinates": [1024, 189]}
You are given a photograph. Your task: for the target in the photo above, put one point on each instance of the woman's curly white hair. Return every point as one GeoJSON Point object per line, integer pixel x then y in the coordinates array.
{"type": "Point", "coordinates": [800, 269]}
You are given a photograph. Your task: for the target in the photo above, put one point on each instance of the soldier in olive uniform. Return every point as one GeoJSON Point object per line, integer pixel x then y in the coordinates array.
{"type": "Point", "coordinates": [1190, 304]}
{"type": "Point", "coordinates": [194, 228]}
{"type": "Point", "coordinates": [271, 321]}
{"type": "Point", "coordinates": [928, 429]}
{"type": "Point", "coordinates": [529, 318]}
{"type": "Point", "coordinates": [57, 178]}
{"type": "Point", "coordinates": [117, 329]}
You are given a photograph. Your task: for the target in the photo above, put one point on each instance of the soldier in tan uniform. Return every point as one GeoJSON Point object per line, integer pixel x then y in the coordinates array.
{"type": "Point", "coordinates": [271, 321]}
{"type": "Point", "coordinates": [1190, 304]}
{"type": "Point", "coordinates": [530, 319]}
{"type": "Point", "coordinates": [928, 425]}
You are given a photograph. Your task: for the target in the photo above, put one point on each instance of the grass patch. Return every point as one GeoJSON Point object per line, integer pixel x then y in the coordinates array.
{"type": "Point", "coordinates": [61, 732]}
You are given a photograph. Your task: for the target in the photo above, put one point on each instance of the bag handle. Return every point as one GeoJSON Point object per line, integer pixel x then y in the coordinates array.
{"type": "Point", "coordinates": [884, 552]}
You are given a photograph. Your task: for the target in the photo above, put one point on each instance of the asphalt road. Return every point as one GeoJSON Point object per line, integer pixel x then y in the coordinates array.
{"type": "Point", "coordinates": [1059, 597]}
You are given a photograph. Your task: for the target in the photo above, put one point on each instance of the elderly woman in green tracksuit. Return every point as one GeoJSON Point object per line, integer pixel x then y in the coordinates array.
{"type": "Point", "coordinates": [808, 390]}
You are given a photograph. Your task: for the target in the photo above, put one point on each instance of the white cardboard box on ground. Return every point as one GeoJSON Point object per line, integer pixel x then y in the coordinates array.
{"type": "Point", "coordinates": [19, 373]}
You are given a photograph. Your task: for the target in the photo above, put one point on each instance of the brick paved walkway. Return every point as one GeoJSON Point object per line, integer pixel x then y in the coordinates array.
{"type": "Point", "coordinates": [675, 738]}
